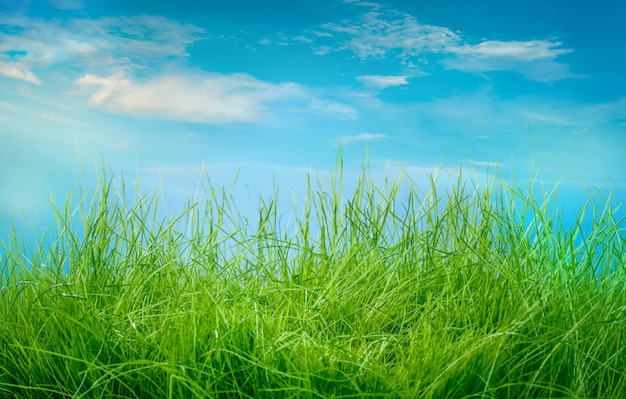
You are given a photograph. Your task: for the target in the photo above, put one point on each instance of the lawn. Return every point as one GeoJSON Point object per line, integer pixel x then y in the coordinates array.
{"type": "Point", "coordinates": [462, 290]}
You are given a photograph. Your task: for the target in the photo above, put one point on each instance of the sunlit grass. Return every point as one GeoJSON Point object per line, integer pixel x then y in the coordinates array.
{"type": "Point", "coordinates": [469, 290]}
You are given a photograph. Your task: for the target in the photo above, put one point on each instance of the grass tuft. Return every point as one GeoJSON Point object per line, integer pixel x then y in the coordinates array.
{"type": "Point", "coordinates": [471, 291]}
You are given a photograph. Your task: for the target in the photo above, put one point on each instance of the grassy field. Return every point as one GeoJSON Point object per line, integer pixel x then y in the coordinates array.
{"type": "Point", "coordinates": [456, 291]}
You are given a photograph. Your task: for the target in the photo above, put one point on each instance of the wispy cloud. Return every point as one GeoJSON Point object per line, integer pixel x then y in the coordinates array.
{"type": "Point", "coordinates": [281, 39]}
{"type": "Point", "coordinates": [187, 96]}
{"type": "Point", "coordinates": [370, 4]}
{"type": "Point", "coordinates": [18, 70]}
{"type": "Point", "coordinates": [333, 109]}
{"type": "Point", "coordinates": [535, 58]}
{"type": "Point", "coordinates": [515, 50]}
{"type": "Point", "coordinates": [376, 34]}
{"type": "Point", "coordinates": [124, 63]}
{"type": "Point", "coordinates": [56, 118]}
{"type": "Point", "coordinates": [382, 81]}
{"type": "Point", "coordinates": [488, 164]}
{"type": "Point", "coordinates": [385, 32]}
{"type": "Point", "coordinates": [96, 43]}
{"type": "Point", "coordinates": [359, 138]}
{"type": "Point", "coordinates": [322, 50]}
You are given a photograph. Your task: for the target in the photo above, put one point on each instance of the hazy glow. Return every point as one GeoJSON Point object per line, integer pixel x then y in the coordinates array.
{"type": "Point", "coordinates": [161, 86]}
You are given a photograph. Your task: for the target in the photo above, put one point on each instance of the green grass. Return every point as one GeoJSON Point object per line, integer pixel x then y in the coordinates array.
{"type": "Point", "coordinates": [459, 291]}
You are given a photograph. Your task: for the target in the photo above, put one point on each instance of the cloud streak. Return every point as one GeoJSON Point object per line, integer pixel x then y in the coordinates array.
{"type": "Point", "coordinates": [382, 81]}
{"type": "Point", "coordinates": [186, 96]}
{"type": "Point", "coordinates": [333, 109]}
{"type": "Point", "coordinates": [535, 59]}
{"type": "Point", "coordinates": [18, 70]}
{"type": "Point", "coordinates": [344, 140]}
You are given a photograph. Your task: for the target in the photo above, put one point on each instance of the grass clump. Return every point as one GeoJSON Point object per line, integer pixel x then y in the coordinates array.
{"type": "Point", "coordinates": [476, 291]}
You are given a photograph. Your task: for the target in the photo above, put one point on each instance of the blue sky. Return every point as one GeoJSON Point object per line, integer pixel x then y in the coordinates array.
{"type": "Point", "coordinates": [159, 89]}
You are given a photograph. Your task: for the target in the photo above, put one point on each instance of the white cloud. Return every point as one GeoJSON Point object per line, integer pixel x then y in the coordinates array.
{"type": "Point", "coordinates": [67, 4]}
{"type": "Point", "coordinates": [56, 118]}
{"type": "Point", "coordinates": [535, 58]}
{"type": "Point", "coordinates": [322, 50]}
{"type": "Point", "coordinates": [370, 4]}
{"type": "Point", "coordinates": [333, 109]}
{"type": "Point", "coordinates": [320, 34]}
{"type": "Point", "coordinates": [359, 137]}
{"type": "Point", "coordinates": [194, 97]}
{"type": "Point", "coordinates": [99, 43]}
{"type": "Point", "coordinates": [489, 164]}
{"type": "Point", "coordinates": [385, 32]}
{"type": "Point", "coordinates": [514, 50]}
{"type": "Point", "coordinates": [375, 34]}
{"type": "Point", "coordinates": [303, 39]}
{"type": "Point", "coordinates": [282, 39]}
{"type": "Point", "coordinates": [18, 70]}
{"type": "Point", "coordinates": [382, 81]}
